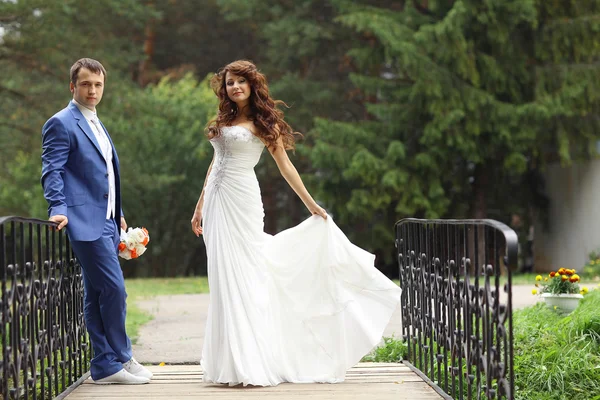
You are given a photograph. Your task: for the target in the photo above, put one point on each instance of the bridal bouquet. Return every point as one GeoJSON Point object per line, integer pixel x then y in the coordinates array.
{"type": "Point", "coordinates": [133, 243]}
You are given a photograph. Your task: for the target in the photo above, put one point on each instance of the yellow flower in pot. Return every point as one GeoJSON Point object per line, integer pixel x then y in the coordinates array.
{"type": "Point", "coordinates": [561, 290]}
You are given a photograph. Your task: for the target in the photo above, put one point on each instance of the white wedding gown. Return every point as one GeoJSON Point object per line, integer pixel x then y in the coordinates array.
{"type": "Point", "coordinates": [302, 306]}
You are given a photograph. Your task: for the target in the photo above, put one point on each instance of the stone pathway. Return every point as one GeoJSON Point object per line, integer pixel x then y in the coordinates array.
{"type": "Point", "coordinates": [176, 333]}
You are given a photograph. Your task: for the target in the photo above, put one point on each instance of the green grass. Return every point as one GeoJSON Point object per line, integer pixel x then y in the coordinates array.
{"type": "Point", "coordinates": [139, 289]}
{"type": "Point", "coordinates": [392, 350]}
{"type": "Point", "coordinates": [521, 278]}
{"type": "Point", "coordinates": [558, 357]}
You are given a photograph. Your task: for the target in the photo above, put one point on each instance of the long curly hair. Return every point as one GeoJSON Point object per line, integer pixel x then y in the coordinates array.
{"type": "Point", "coordinates": [263, 109]}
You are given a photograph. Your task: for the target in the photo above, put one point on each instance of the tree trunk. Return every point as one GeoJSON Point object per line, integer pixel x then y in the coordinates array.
{"type": "Point", "coordinates": [479, 211]}
{"type": "Point", "coordinates": [479, 206]}
{"type": "Point", "coordinates": [144, 69]}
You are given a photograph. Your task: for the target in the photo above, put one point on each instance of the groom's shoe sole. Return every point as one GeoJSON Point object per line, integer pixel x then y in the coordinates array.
{"type": "Point", "coordinates": [122, 378]}
{"type": "Point", "coordinates": [121, 383]}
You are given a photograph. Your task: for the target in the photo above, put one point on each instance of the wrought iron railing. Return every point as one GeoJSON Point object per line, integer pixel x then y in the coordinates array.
{"type": "Point", "coordinates": [45, 346]}
{"type": "Point", "coordinates": [457, 304]}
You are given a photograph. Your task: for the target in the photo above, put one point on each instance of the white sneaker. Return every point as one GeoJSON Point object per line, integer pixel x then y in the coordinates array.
{"type": "Point", "coordinates": [122, 378]}
{"type": "Point", "coordinates": [137, 369]}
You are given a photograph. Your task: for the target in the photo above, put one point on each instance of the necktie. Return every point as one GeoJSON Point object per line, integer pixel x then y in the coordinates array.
{"type": "Point", "coordinates": [106, 149]}
{"type": "Point", "coordinates": [97, 125]}
{"type": "Point", "coordinates": [101, 136]}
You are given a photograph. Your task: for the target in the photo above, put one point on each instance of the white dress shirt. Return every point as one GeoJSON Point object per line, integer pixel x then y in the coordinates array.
{"type": "Point", "coordinates": [107, 152]}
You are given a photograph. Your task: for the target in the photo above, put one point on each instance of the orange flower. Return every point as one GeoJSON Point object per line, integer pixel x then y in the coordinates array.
{"type": "Point", "coordinates": [134, 254]}
{"type": "Point", "coordinates": [564, 277]}
{"type": "Point", "coordinates": [122, 246]}
{"type": "Point", "coordinates": [561, 271]}
{"type": "Point", "coordinates": [569, 271]}
{"type": "Point", "coordinates": [552, 274]}
{"type": "Point", "coordinates": [575, 278]}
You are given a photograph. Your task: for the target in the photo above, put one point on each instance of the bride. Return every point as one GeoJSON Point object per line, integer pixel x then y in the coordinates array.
{"type": "Point", "coordinates": [301, 306]}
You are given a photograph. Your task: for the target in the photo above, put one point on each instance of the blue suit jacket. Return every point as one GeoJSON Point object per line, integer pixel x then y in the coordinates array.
{"type": "Point", "coordinates": [74, 174]}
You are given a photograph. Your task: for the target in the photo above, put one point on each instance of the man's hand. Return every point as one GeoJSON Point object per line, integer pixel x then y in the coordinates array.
{"type": "Point", "coordinates": [123, 224]}
{"type": "Point", "coordinates": [61, 220]}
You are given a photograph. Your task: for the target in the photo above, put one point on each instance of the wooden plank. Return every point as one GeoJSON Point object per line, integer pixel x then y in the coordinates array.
{"type": "Point", "coordinates": [308, 387]}
{"type": "Point", "coordinates": [350, 381]}
{"type": "Point", "coordinates": [368, 391]}
{"type": "Point", "coordinates": [314, 396]}
{"type": "Point", "coordinates": [381, 381]}
{"type": "Point", "coordinates": [197, 367]}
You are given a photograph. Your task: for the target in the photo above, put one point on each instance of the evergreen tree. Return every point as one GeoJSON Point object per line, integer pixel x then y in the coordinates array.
{"type": "Point", "coordinates": [302, 50]}
{"type": "Point", "coordinates": [40, 41]}
{"type": "Point", "coordinates": [157, 130]}
{"type": "Point", "coordinates": [464, 100]}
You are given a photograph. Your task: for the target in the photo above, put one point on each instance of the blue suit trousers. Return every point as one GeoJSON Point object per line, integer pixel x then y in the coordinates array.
{"type": "Point", "coordinates": [104, 301]}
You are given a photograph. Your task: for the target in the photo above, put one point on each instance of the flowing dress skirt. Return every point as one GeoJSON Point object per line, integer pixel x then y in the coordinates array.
{"type": "Point", "coordinates": [301, 306]}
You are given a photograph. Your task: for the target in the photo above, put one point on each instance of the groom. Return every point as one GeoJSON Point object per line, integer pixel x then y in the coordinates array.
{"type": "Point", "coordinates": [80, 177]}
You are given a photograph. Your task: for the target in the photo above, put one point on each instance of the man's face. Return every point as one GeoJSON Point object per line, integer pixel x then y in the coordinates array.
{"type": "Point", "coordinates": [89, 88]}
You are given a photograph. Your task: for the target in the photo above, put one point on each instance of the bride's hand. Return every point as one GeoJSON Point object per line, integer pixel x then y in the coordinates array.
{"type": "Point", "coordinates": [197, 223]}
{"type": "Point", "coordinates": [315, 209]}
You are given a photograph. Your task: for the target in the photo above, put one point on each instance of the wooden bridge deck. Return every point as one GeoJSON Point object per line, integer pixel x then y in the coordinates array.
{"type": "Point", "coordinates": [380, 381]}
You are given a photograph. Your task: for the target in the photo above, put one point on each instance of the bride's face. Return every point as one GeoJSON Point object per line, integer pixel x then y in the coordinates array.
{"type": "Point", "coordinates": [238, 88]}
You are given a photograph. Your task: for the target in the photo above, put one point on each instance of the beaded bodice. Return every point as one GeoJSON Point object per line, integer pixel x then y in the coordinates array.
{"type": "Point", "coordinates": [237, 151]}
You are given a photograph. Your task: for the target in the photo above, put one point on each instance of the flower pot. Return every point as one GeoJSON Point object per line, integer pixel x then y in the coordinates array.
{"type": "Point", "coordinates": [564, 302]}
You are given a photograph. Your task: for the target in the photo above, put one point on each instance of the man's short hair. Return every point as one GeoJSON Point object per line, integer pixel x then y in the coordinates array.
{"type": "Point", "coordinates": [88, 63]}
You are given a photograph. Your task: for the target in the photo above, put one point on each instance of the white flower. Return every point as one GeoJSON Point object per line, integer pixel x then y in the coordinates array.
{"type": "Point", "coordinates": [140, 249]}
{"type": "Point", "coordinates": [133, 240]}
{"type": "Point", "coordinates": [138, 234]}
{"type": "Point", "coordinates": [130, 242]}
{"type": "Point", "coordinates": [125, 254]}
